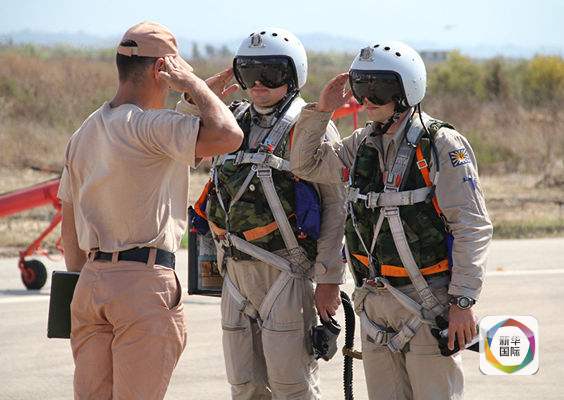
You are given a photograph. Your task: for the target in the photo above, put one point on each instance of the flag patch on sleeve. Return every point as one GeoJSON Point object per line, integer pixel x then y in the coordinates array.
{"type": "Point", "coordinates": [459, 157]}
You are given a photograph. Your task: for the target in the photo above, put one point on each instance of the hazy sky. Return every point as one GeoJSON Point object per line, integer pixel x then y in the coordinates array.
{"type": "Point", "coordinates": [447, 23]}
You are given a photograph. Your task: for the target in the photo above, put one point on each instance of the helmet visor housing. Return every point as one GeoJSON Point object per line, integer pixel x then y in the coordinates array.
{"type": "Point", "coordinates": [380, 87]}
{"type": "Point", "coordinates": [271, 71]}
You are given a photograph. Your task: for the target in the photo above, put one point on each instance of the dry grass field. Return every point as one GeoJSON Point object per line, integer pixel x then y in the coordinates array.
{"type": "Point", "coordinates": [509, 109]}
{"type": "Point", "coordinates": [518, 206]}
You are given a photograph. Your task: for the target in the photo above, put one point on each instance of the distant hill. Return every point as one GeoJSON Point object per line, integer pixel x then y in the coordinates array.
{"type": "Point", "coordinates": [321, 42]}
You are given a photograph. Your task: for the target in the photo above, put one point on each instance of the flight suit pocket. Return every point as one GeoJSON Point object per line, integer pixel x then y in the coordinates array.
{"type": "Point", "coordinates": [425, 350]}
{"type": "Point", "coordinates": [238, 353]}
{"type": "Point", "coordinates": [237, 342]}
{"type": "Point", "coordinates": [424, 344]}
{"type": "Point", "coordinates": [286, 356]}
{"type": "Point", "coordinates": [287, 312]}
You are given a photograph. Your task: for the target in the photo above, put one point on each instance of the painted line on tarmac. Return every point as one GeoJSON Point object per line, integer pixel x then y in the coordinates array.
{"type": "Point", "coordinates": [35, 298]}
{"type": "Point", "coordinates": [551, 271]}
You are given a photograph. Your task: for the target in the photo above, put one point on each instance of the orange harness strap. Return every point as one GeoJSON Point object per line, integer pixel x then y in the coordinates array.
{"type": "Point", "coordinates": [203, 197]}
{"type": "Point", "coordinates": [400, 272]}
{"type": "Point", "coordinates": [424, 169]}
{"type": "Point", "coordinates": [291, 141]}
{"type": "Point", "coordinates": [260, 231]}
{"type": "Point", "coordinates": [361, 258]}
{"type": "Point", "coordinates": [216, 229]}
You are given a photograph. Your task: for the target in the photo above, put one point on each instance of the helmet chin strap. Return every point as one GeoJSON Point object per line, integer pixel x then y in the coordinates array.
{"type": "Point", "coordinates": [283, 104]}
{"type": "Point", "coordinates": [277, 110]}
{"type": "Point", "coordinates": [380, 128]}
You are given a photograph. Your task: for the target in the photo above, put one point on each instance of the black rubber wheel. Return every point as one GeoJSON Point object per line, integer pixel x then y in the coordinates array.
{"type": "Point", "coordinates": [36, 275]}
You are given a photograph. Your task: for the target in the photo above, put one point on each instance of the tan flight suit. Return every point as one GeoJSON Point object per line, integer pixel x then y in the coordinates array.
{"type": "Point", "coordinates": [127, 175]}
{"type": "Point", "coordinates": [420, 372]}
{"type": "Point", "coordinates": [275, 360]}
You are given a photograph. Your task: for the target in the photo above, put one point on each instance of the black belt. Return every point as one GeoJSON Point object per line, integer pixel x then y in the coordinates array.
{"type": "Point", "coordinates": [140, 254]}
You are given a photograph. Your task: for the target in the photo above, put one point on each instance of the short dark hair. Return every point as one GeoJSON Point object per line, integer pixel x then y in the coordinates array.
{"type": "Point", "coordinates": [132, 68]}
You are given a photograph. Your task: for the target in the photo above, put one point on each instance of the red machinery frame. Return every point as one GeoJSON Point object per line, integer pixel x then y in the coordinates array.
{"type": "Point", "coordinates": [351, 107]}
{"type": "Point", "coordinates": [33, 272]}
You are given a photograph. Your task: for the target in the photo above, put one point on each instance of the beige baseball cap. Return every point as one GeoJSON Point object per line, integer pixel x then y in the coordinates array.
{"type": "Point", "coordinates": [152, 39]}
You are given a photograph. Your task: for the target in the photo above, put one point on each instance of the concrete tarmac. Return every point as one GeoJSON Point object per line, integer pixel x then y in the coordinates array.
{"type": "Point", "coordinates": [525, 277]}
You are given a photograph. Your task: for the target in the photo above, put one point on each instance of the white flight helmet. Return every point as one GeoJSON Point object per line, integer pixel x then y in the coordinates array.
{"type": "Point", "coordinates": [277, 42]}
{"type": "Point", "coordinates": [399, 58]}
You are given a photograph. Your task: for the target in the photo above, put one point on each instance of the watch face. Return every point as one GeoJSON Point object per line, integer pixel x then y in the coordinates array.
{"type": "Point", "coordinates": [463, 302]}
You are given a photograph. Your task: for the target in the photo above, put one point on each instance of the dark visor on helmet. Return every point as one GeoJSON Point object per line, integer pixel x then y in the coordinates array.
{"type": "Point", "coordinates": [271, 71]}
{"type": "Point", "coordinates": [378, 87]}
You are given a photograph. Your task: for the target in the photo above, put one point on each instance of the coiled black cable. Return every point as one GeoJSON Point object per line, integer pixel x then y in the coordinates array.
{"type": "Point", "coordinates": [349, 344]}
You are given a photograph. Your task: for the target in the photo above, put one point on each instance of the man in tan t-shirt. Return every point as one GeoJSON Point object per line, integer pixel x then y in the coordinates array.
{"type": "Point", "coordinates": [124, 190]}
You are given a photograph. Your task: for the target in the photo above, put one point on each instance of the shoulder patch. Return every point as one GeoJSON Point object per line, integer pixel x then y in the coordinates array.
{"type": "Point", "coordinates": [459, 157]}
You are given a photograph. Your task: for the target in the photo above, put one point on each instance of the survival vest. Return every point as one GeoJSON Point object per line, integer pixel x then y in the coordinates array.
{"type": "Point", "coordinates": [422, 220]}
{"type": "Point", "coordinates": [236, 201]}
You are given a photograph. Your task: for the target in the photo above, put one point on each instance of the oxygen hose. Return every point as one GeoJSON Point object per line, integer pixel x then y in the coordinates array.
{"type": "Point", "coordinates": [349, 344]}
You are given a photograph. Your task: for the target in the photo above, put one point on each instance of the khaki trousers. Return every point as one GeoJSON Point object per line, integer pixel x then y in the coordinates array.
{"type": "Point", "coordinates": [274, 361]}
{"type": "Point", "coordinates": [421, 372]}
{"type": "Point", "coordinates": [128, 330]}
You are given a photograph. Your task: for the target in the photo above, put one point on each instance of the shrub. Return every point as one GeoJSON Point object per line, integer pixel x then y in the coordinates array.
{"type": "Point", "coordinates": [543, 80]}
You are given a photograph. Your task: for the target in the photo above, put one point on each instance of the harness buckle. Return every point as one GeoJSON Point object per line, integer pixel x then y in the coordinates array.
{"type": "Point", "coordinates": [371, 200]}
{"type": "Point", "coordinates": [238, 157]}
{"type": "Point", "coordinates": [224, 241]}
{"type": "Point", "coordinates": [431, 194]}
{"type": "Point", "coordinates": [407, 198]}
{"type": "Point", "coordinates": [268, 158]}
{"type": "Point", "coordinates": [352, 194]}
{"type": "Point", "coordinates": [264, 171]}
{"type": "Point", "coordinates": [375, 282]}
{"type": "Point", "coordinates": [381, 338]}
{"type": "Point", "coordinates": [422, 164]}
{"type": "Point", "coordinates": [274, 162]}
{"type": "Point", "coordinates": [244, 304]}
{"type": "Point", "coordinates": [390, 211]}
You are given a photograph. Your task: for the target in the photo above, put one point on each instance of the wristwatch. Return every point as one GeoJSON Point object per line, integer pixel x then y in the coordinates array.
{"type": "Point", "coordinates": [462, 302]}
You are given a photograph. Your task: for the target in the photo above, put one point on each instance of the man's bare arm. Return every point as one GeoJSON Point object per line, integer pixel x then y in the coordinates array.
{"type": "Point", "coordinates": [74, 256]}
{"type": "Point", "coordinates": [219, 132]}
